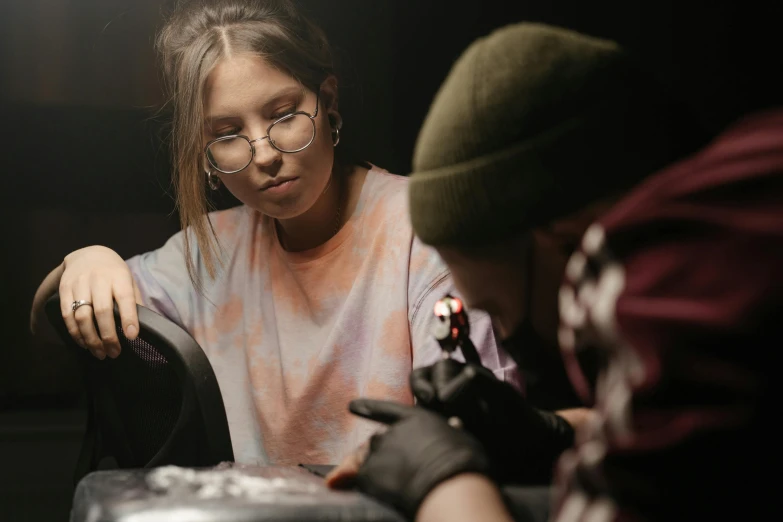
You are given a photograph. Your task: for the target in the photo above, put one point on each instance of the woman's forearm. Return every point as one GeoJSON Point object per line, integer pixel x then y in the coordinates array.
{"type": "Point", "coordinates": [467, 498]}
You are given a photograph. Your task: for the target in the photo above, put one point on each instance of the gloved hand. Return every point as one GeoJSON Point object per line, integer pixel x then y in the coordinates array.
{"type": "Point", "coordinates": [522, 442]}
{"type": "Point", "coordinates": [418, 451]}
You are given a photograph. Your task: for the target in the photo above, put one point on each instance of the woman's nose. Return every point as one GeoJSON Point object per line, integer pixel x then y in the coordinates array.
{"type": "Point", "coordinates": [265, 153]}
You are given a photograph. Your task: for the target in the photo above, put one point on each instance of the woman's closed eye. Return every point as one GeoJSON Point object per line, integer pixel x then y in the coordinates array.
{"type": "Point", "coordinates": [282, 113]}
{"type": "Point", "coordinates": [227, 132]}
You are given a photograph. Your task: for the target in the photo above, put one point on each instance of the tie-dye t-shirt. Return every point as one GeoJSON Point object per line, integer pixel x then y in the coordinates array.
{"type": "Point", "coordinates": [293, 337]}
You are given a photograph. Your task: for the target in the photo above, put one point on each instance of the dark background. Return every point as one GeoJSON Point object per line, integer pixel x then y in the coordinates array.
{"type": "Point", "coordinates": [84, 160]}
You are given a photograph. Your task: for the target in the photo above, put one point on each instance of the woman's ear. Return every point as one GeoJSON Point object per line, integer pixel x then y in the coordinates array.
{"type": "Point", "coordinates": [329, 95]}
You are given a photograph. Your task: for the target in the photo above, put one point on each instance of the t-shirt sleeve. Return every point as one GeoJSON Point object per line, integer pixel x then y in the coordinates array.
{"type": "Point", "coordinates": [162, 278]}
{"type": "Point", "coordinates": [429, 281]}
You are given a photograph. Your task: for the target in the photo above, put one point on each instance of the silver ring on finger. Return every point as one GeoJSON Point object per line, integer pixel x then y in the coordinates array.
{"type": "Point", "coordinates": [76, 304]}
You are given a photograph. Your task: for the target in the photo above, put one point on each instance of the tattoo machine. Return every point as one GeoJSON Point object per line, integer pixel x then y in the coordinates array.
{"type": "Point", "coordinates": [452, 329]}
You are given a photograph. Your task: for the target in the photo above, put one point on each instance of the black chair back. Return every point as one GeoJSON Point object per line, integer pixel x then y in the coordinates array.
{"type": "Point", "coordinates": [158, 403]}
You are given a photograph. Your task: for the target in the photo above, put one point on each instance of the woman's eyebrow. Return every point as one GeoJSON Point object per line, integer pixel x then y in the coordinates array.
{"type": "Point", "coordinates": [284, 93]}
{"type": "Point", "coordinates": [210, 119]}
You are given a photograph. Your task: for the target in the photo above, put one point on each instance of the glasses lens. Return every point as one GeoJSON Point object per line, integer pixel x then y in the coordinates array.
{"type": "Point", "coordinates": [292, 133]}
{"type": "Point", "coordinates": [230, 155]}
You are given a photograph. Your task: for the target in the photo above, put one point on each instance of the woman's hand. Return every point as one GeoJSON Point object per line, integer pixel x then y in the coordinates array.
{"type": "Point", "coordinates": [99, 276]}
{"type": "Point", "coordinates": [344, 475]}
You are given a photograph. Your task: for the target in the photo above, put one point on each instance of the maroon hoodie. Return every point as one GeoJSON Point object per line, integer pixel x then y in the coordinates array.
{"type": "Point", "coordinates": [676, 298]}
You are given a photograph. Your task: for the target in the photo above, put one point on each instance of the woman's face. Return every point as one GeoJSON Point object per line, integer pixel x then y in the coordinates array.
{"type": "Point", "coordinates": [244, 95]}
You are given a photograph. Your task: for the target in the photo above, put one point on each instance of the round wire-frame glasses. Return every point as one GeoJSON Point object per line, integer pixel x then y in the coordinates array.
{"type": "Point", "coordinates": [290, 134]}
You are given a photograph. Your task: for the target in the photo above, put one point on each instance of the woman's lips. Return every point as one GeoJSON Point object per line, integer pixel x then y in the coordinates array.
{"type": "Point", "coordinates": [280, 187]}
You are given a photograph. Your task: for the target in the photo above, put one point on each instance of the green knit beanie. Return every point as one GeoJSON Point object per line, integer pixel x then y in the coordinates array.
{"type": "Point", "coordinates": [533, 122]}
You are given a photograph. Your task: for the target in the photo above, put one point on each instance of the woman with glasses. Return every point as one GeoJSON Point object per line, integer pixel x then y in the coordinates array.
{"type": "Point", "coordinates": [314, 290]}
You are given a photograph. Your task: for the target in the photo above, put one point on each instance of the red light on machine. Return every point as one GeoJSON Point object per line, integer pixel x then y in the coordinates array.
{"type": "Point", "coordinates": [442, 308]}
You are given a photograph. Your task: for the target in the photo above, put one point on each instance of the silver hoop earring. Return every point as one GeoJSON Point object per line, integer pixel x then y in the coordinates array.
{"type": "Point", "coordinates": [212, 180]}
{"type": "Point", "coordinates": [336, 123]}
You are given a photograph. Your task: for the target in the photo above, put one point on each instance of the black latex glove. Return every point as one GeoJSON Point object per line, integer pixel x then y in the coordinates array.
{"type": "Point", "coordinates": [418, 451]}
{"type": "Point", "coordinates": [521, 441]}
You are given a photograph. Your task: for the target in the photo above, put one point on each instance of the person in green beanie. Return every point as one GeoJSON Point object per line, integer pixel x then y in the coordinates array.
{"type": "Point", "coordinates": [534, 133]}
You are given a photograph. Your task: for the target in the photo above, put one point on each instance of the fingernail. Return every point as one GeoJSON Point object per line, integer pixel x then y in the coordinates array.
{"type": "Point", "coordinates": [98, 354]}
{"type": "Point", "coordinates": [114, 352]}
{"type": "Point", "coordinates": [130, 331]}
